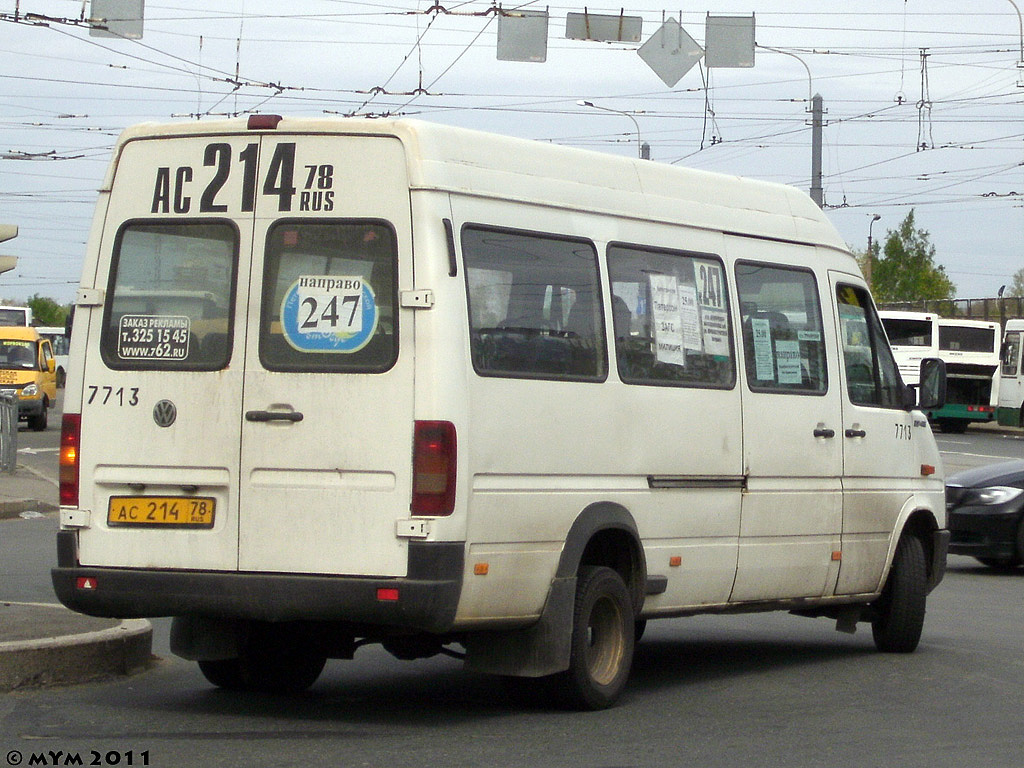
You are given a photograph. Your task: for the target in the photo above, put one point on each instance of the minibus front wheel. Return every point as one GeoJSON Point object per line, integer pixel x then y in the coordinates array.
{"type": "Point", "coordinates": [899, 613]}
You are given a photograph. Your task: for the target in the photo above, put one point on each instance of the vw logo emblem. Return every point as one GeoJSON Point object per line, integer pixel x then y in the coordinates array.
{"type": "Point", "coordinates": [164, 413]}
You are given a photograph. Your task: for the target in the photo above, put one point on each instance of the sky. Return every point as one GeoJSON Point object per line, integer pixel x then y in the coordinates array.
{"type": "Point", "coordinates": [924, 103]}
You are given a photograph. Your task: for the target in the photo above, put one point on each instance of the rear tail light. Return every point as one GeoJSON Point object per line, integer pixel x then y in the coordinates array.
{"type": "Point", "coordinates": [70, 438]}
{"type": "Point", "coordinates": [433, 468]}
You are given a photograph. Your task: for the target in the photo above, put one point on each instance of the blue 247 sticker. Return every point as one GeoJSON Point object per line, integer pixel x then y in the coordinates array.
{"type": "Point", "coordinates": [329, 314]}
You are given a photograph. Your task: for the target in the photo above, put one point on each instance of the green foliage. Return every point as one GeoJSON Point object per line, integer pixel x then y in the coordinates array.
{"type": "Point", "coordinates": [1017, 286]}
{"type": "Point", "coordinates": [46, 311]}
{"type": "Point", "coordinates": [906, 269]}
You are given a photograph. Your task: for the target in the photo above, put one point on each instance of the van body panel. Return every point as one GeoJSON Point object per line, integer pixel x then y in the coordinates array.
{"type": "Point", "coordinates": [335, 483]}
{"type": "Point", "coordinates": [274, 475]}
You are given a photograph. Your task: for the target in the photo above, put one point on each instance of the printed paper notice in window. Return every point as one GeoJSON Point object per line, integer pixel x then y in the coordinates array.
{"type": "Point", "coordinates": [329, 314]}
{"type": "Point", "coordinates": [153, 337]}
{"type": "Point", "coordinates": [668, 325]}
{"type": "Point", "coordinates": [714, 319]}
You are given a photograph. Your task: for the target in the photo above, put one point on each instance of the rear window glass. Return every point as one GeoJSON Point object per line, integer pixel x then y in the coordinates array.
{"type": "Point", "coordinates": [963, 338]}
{"type": "Point", "coordinates": [908, 333]}
{"type": "Point", "coordinates": [170, 297]}
{"type": "Point", "coordinates": [329, 297]}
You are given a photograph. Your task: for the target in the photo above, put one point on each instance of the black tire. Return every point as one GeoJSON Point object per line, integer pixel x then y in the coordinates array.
{"type": "Point", "coordinates": [38, 423]}
{"type": "Point", "coordinates": [899, 612]}
{"type": "Point", "coordinates": [224, 673]}
{"type": "Point", "coordinates": [277, 660]}
{"type": "Point", "coordinates": [603, 633]}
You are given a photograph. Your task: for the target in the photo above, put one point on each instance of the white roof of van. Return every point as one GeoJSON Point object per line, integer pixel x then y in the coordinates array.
{"type": "Point", "coordinates": [484, 164]}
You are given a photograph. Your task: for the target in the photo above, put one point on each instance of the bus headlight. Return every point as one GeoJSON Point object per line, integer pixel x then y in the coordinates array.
{"type": "Point", "coordinates": [32, 390]}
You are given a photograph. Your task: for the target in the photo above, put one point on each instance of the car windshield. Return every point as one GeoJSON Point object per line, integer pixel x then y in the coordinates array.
{"type": "Point", "coordinates": [17, 355]}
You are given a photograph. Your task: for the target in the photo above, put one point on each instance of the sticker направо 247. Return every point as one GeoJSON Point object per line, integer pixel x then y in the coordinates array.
{"type": "Point", "coordinates": [329, 314]}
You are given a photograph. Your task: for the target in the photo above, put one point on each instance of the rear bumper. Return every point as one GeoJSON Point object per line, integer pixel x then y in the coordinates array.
{"type": "Point", "coordinates": [426, 598]}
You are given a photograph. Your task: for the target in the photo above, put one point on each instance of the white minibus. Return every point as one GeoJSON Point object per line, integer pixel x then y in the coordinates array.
{"type": "Point", "coordinates": [337, 382]}
{"type": "Point", "coordinates": [1011, 385]}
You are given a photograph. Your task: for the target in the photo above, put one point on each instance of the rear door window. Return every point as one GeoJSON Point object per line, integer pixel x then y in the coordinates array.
{"type": "Point", "coordinates": [329, 297]}
{"type": "Point", "coordinates": [170, 298]}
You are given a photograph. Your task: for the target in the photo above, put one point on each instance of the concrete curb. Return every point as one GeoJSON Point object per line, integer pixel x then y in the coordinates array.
{"type": "Point", "coordinates": [11, 509]}
{"type": "Point", "coordinates": [120, 650]}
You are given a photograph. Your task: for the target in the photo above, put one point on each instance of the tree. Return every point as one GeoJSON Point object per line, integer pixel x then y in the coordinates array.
{"type": "Point", "coordinates": [1017, 286]}
{"type": "Point", "coordinates": [46, 311]}
{"type": "Point", "coordinates": [906, 269]}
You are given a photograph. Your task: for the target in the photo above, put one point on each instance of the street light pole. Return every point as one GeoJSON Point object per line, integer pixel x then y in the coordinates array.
{"type": "Point", "coordinates": [867, 263]}
{"type": "Point", "coordinates": [636, 123]}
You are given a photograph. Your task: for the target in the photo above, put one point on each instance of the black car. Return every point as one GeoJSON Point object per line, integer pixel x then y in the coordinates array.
{"type": "Point", "coordinates": [985, 508]}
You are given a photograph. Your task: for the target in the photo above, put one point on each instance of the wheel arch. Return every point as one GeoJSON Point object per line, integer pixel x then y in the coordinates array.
{"type": "Point", "coordinates": [605, 533]}
{"type": "Point", "coordinates": [921, 523]}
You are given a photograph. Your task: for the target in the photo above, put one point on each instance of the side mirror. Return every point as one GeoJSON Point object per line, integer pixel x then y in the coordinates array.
{"type": "Point", "coordinates": [69, 322]}
{"type": "Point", "coordinates": [931, 392]}
{"type": "Point", "coordinates": [51, 366]}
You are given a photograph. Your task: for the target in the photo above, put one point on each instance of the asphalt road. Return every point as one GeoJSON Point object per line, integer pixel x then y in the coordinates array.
{"type": "Point", "coordinates": [755, 690]}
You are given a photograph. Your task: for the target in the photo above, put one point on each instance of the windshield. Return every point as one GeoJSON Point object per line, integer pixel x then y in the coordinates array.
{"type": "Point", "coordinates": [17, 355]}
{"type": "Point", "coordinates": [12, 316]}
{"type": "Point", "coordinates": [962, 338]}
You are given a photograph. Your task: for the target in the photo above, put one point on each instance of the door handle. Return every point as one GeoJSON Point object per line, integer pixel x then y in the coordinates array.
{"type": "Point", "coordinates": [292, 416]}
{"type": "Point", "coordinates": [856, 433]}
{"type": "Point", "coordinates": [824, 432]}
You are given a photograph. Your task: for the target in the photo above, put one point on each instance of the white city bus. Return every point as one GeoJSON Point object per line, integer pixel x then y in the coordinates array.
{"type": "Point", "coordinates": [347, 381]}
{"type": "Point", "coordinates": [970, 349]}
{"type": "Point", "coordinates": [1011, 385]}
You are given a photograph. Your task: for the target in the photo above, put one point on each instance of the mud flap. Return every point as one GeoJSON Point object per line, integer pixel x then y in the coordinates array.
{"type": "Point", "coordinates": [201, 638]}
{"type": "Point", "coordinates": [540, 650]}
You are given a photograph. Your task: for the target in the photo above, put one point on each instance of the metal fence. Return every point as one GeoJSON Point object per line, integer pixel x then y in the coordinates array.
{"type": "Point", "coordinates": [8, 432]}
{"type": "Point", "coordinates": [1000, 310]}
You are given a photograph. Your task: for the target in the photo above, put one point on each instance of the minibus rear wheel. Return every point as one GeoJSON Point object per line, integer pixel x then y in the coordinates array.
{"type": "Point", "coordinates": [603, 638]}
{"type": "Point", "coordinates": [275, 659]}
{"type": "Point", "coordinates": [899, 612]}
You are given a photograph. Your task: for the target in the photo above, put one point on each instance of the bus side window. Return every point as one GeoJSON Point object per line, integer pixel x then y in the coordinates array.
{"type": "Point", "coordinates": [783, 338]}
{"type": "Point", "coordinates": [534, 305]}
{"type": "Point", "coordinates": [671, 318]}
{"type": "Point", "coordinates": [1011, 354]}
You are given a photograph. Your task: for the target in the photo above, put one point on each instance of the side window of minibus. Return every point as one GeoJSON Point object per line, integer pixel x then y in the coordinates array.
{"type": "Point", "coordinates": [783, 340]}
{"type": "Point", "coordinates": [872, 377]}
{"type": "Point", "coordinates": [671, 318]}
{"type": "Point", "coordinates": [534, 305]}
